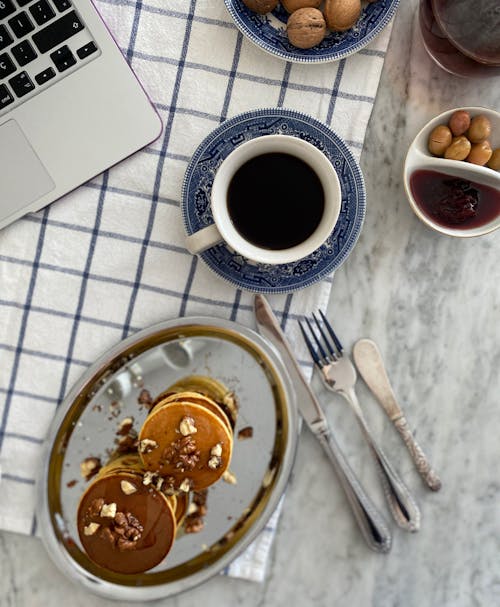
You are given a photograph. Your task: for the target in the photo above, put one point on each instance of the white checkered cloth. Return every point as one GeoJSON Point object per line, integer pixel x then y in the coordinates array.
{"type": "Point", "coordinates": [109, 258]}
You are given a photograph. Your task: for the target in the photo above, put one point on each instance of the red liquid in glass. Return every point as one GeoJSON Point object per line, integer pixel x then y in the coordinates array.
{"type": "Point", "coordinates": [453, 202]}
{"type": "Point", "coordinates": [463, 36]}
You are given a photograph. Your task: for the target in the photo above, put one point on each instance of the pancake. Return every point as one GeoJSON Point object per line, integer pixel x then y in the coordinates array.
{"type": "Point", "coordinates": [186, 443]}
{"type": "Point", "coordinates": [124, 525]}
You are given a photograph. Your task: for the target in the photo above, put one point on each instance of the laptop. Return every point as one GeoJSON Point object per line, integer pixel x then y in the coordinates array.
{"type": "Point", "coordinates": [70, 106]}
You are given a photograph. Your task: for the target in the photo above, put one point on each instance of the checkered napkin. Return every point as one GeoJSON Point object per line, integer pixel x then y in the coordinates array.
{"type": "Point", "coordinates": [109, 259]}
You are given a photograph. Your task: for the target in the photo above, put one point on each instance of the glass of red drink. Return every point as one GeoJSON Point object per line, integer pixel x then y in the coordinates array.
{"type": "Point", "coordinates": [462, 36]}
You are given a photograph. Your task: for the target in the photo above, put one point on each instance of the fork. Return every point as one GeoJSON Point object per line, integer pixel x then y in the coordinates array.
{"type": "Point", "coordinates": [339, 375]}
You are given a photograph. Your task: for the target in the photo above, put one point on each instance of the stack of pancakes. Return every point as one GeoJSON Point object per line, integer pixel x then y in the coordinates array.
{"type": "Point", "coordinates": [129, 515]}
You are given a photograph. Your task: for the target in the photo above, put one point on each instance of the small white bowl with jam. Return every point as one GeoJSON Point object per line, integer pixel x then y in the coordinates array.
{"type": "Point", "coordinates": [455, 196]}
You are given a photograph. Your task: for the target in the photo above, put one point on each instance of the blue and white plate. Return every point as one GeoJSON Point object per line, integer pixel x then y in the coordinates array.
{"type": "Point", "coordinates": [283, 278]}
{"type": "Point", "coordinates": [269, 32]}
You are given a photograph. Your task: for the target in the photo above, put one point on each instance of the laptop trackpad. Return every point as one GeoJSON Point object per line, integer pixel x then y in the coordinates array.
{"type": "Point", "coordinates": [23, 179]}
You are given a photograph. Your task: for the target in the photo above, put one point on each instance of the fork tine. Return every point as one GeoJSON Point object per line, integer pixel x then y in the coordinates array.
{"type": "Point", "coordinates": [323, 353]}
{"type": "Point", "coordinates": [328, 342]}
{"type": "Point", "coordinates": [332, 332]}
{"type": "Point", "coordinates": [309, 345]}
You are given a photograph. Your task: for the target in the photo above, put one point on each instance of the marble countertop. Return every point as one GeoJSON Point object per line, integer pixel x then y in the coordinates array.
{"type": "Point", "coordinates": [432, 304]}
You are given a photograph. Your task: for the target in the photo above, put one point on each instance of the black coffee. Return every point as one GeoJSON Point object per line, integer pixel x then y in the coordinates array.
{"type": "Point", "coordinates": [275, 201]}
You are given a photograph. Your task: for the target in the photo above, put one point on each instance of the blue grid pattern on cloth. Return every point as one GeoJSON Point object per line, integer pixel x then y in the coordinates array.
{"type": "Point", "coordinates": [109, 258]}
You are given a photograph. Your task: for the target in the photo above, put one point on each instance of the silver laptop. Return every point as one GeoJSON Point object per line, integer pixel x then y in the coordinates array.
{"type": "Point", "coordinates": [70, 106]}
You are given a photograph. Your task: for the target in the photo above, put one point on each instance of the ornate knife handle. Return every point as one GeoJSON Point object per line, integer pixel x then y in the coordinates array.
{"type": "Point", "coordinates": [419, 457]}
{"type": "Point", "coordinates": [371, 523]}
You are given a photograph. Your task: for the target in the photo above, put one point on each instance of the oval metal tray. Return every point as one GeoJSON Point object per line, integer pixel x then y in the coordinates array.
{"type": "Point", "coordinates": [86, 426]}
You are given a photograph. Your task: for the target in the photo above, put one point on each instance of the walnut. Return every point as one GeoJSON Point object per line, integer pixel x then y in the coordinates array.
{"type": "Point", "coordinates": [228, 477]}
{"type": "Point", "coordinates": [89, 467]}
{"type": "Point", "coordinates": [341, 15]}
{"type": "Point", "coordinates": [193, 524]}
{"type": "Point", "coordinates": [216, 450]}
{"type": "Point", "coordinates": [147, 445]}
{"type": "Point", "coordinates": [128, 443]}
{"type": "Point", "coordinates": [187, 426]}
{"type": "Point", "coordinates": [127, 487]}
{"type": "Point", "coordinates": [246, 432]}
{"type": "Point", "coordinates": [182, 453]}
{"type": "Point", "coordinates": [145, 399]}
{"type": "Point", "coordinates": [214, 462]}
{"type": "Point", "coordinates": [91, 528]}
{"type": "Point", "coordinates": [261, 6]}
{"type": "Point", "coordinates": [185, 485]}
{"type": "Point", "coordinates": [306, 27]}
{"type": "Point", "coordinates": [125, 426]}
{"type": "Point", "coordinates": [293, 5]}
{"type": "Point", "coordinates": [108, 510]}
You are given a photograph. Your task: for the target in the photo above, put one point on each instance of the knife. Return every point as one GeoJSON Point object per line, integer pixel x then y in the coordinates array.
{"type": "Point", "coordinates": [370, 521]}
{"type": "Point", "coordinates": [371, 368]}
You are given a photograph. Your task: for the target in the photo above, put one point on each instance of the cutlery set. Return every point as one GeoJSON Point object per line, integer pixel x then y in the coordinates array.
{"type": "Point", "coordinates": [338, 375]}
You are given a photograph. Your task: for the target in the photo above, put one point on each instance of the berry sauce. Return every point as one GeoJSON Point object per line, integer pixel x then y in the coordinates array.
{"type": "Point", "coordinates": [454, 202]}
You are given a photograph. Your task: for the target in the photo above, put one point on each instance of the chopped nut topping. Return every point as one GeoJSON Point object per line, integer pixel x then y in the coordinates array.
{"type": "Point", "coordinates": [185, 485]}
{"type": "Point", "coordinates": [145, 399]}
{"type": "Point", "coordinates": [214, 462]}
{"type": "Point", "coordinates": [216, 450]}
{"type": "Point", "coordinates": [125, 426]}
{"type": "Point", "coordinates": [246, 432]}
{"type": "Point", "coordinates": [91, 528]}
{"type": "Point", "coordinates": [127, 487]}
{"type": "Point", "coordinates": [192, 508]}
{"type": "Point", "coordinates": [187, 426]}
{"type": "Point", "coordinates": [159, 483]}
{"type": "Point", "coordinates": [128, 443]}
{"type": "Point", "coordinates": [193, 524]}
{"type": "Point", "coordinates": [90, 467]}
{"type": "Point", "coordinates": [229, 477]}
{"type": "Point", "coordinates": [148, 477]}
{"type": "Point", "coordinates": [147, 445]}
{"type": "Point", "coordinates": [182, 453]}
{"type": "Point", "coordinates": [108, 510]}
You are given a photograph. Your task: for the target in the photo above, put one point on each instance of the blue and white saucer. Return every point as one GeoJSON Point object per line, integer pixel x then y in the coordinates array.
{"type": "Point", "coordinates": [269, 32]}
{"type": "Point", "coordinates": [283, 278]}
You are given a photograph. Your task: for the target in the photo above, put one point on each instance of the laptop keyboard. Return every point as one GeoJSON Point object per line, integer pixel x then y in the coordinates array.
{"type": "Point", "coordinates": [41, 42]}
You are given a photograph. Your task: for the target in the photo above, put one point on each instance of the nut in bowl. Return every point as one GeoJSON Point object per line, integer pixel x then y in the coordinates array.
{"type": "Point", "coordinates": [451, 175]}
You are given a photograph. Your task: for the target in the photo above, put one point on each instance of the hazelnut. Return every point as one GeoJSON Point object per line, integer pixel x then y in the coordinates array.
{"type": "Point", "coordinates": [91, 528]}
{"type": "Point", "coordinates": [147, 445]}
{"type": "Point", "coordinates": [293, 5]}
{"type": "Point", "coordinates": [216, 450]}
{"type": "Point", "coordinates": [261, 6]}
{"type": "Point", "coordinates": [108, 510]}
{"type": "Point", "coordinates": [494, 161]}
{"type": "Point", "coordinates": [341, 15]}
{"type": "Point", "coordinates": [214, 462]}
{"type": "Point", "coordinates": [185, 485]}
{"type": "Point", "coordinates": [127, 487]}
{"type": "Point", "coordinates": [439, 139]}
{"type": "Point", "coordinates": [187, 426]}
{"type": "Point", "coordinates": [228, 477]}
{"type": "Point", "coordinates": [479, 130]}
{"type": "Point", "coordinates": [480, 153]}
{"type": "Point", "coordinates": [458, 149]}
{"type": "Point", "coordinates": [306, 27]}
{"type": "Point", "coordinates": [459, 122]}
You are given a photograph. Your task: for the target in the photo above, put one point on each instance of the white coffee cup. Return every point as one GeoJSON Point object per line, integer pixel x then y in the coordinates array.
{"type": "Point", "coordinates": [223, 228]}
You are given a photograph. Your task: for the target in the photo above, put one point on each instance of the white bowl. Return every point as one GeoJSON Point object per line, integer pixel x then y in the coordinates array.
{"type": "Point", "coordinates": [419, 158]}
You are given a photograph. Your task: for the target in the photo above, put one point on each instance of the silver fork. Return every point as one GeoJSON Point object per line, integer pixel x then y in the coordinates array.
{"type": "Point", "coordinates": [339, 375]}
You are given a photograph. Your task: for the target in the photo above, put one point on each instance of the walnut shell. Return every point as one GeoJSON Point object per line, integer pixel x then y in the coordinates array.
{"type": "Point", "coordinates": [294, 5]}
{"type": "Point", "coordinates": [261, 6]}
{"type": "Point", "coordinates": [341, 15]}
{"type": "Point", "coordinates": [306, 27]}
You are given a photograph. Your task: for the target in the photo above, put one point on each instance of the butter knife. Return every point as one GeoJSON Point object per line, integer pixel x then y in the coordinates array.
{"type": "Point", "coordinates": [370, 521]}
{"type": "Point", "coordinates": [371, 368]}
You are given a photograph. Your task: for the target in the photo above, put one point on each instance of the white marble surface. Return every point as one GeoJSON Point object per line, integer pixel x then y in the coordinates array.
{"type": "Point", "coordinates": [433, 305]}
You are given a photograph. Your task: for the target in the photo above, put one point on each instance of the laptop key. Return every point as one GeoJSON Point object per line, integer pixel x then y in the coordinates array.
{"type": "Point", "coordinates": [45, 76]}
{"type": "Point", "coordinates": [7, 66]}
{"type": "Point", "coordinates": [23, 53]}
{"type": "Point", "coordinates": [21, 84]}
{"type": "Point", "coordinates": [63, 58]}
{"type": "Point", "coordinates": [23, 2]}
{"type": "Point", "coordinates": [5, 97]}
{"type": "Point", "coordinates": [5, 37]}
{"type": "Point", "coordinates": [57, 32]}
{"type": "Point", "coordinates": [6, 8]}
{"type": "Point", "coordinates": [42, 12]}
{"type": "Point", "coordinates": [21, 24]}
{"type": "Point", "coordinates": [62, 5]}
{"type": "Point", "coordinates": [86, 50]}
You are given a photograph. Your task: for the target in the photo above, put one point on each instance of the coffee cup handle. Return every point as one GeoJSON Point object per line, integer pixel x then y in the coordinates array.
{"type": "Point", "coordinates": [203, 239]}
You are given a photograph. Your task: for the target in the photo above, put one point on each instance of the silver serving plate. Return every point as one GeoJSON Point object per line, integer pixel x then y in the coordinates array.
{"type": "Point", "coordinates": [108, 392]}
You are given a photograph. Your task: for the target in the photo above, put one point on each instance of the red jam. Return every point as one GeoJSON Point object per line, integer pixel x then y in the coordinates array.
{"type": "Point", "coordinates": [454, 202]}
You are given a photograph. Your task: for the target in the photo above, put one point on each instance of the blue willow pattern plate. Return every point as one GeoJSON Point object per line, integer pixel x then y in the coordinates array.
{"type": "Point", "coordinates": [282, 278]}
{"type": "Point", "coordinates": [269, 32]}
